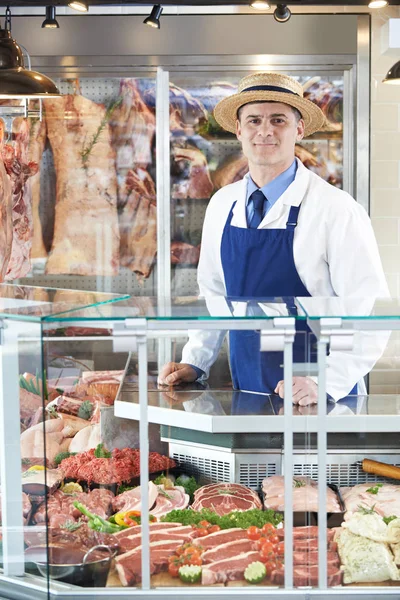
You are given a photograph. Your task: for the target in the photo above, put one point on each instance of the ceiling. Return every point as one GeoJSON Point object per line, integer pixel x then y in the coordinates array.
{"type": "Point", "coordinates": [35, 3]}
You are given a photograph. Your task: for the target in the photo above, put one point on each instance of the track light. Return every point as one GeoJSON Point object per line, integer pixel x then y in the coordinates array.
{"type": "Point", "coordinates": [378, 4]}
{"type": "Point", "coordinates": [260, 5]}
{"type": "Point", "coordinates": [153, 20]}
{"type": "Point", "coordinates": [393, 75]}
{"type": "Point", "coordinates": [15, 80]}
{"type": "Point", "coordinates": [282, 13]}
{"type": "Point", "coordinates": [50, 21]}
{"type": "Point", "coordinates": [80, 5]}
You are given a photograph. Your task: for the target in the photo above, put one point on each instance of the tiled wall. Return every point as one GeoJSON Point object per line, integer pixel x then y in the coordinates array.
{"type": "Point", "coordinates": [385, 188]}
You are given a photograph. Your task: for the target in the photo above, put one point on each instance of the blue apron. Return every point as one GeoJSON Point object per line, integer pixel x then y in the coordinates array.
{"type": "Point", "coordinates": [259, 263]}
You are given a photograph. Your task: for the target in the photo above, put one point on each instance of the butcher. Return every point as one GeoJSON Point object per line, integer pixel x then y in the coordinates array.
{"type": "Point", "coordinates": [281, 231]}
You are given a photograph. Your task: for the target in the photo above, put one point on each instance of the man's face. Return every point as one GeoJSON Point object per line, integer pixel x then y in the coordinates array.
{"type": "Point", "coordinates": [268, 132]}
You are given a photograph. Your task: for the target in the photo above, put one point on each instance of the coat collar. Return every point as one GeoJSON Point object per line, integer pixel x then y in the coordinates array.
{"type": "Point", "coordinates": [292, 196]}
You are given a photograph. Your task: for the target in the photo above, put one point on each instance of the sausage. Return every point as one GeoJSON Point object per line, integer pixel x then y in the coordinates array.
{"type": "Point", "coordinates": [378, 468]}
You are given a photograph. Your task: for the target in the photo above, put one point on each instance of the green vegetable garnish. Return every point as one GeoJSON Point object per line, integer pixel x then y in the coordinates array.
{"type": "Point", "coordinates": [297, 483]}
{"type": "Point", "coordinates": [387, 520]}
{"type": "Point", "coordinates": [101, 452]}
{"type": "Point", "coordinates": [97, 523]}
{"type": "Point", "coordinates": [375, 489]}
{"type": "Point", "coordinates": [255, 572]}
{"type": "Point", "coordinates": [71, 525]}
{"type": "Point", "coordinates": [124, 488]}
{"type": "Point", "coordinates": [85, 411]}
{"type": "Point", "coordinates": [236, 518]}
{"type": "Point", "coordinates": [190, 573]}
{"type": "Point", "coordinates": [190, 485]}
{"type": "Point", "coordinates": [364, 510]}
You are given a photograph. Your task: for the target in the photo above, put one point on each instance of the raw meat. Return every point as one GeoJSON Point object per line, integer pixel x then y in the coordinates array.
{"type": "Point", "coordinates": [29, 404]}
{"type": "Point", "coordinates": [19, 171]}
{"type": "Point", "coordinates": [153, 527]}
{"type": "Point", "coordinates": [86, 234]}
{"type": "Point", "coordinates": [87, 439]}
{"type": "Point", "coordinates": [131, 499]}
{"type": "Point", "coordinates": [305, 495]}
{"type": "Point", "coordinates": [232, 170]}
{"type": "Point", "coordinates": [190, 174]}
{"type": "Point", "coordinates": [84, 537]}
{"type": "Point", "coordinates": [36, 147]}
{"type": "Point", "coordinates": [6, 221]}
{"type": "Point", "coordinates": [102, 376]}
{"type": "Point", "coordinates": [132, 130]}
{"type": "Point", "coordinates": [34, 443]}
{"type": "Point", "coordinates": [227, 550]}
{"type": "Point", "coordinates": [182, 253]}
{"type": "Point", "coordinates": [129, 565]}
{"type": "Point", "coordinates": [228, 569]}
{"type": "Point", "coordinates": [220, 537]}
{"type": "Point", "coordinates": [308, 575]}
{"type": "Point", "coordinates": [372, 526]}
{"type": "Point", "coordinates": [138, 223]}
{"type": "Point", "coordinates": [386, 501]}
{"type": "Point", "coordinates": [26, 508]}
{"type": "Point", "coordinates": [60, 508]}
{"type": "Point", "coordinates": [122, 466]}
{"type": "Point", "coordinates": [131, 542]}
{"type": "Point", "coordinates": [224, 498]}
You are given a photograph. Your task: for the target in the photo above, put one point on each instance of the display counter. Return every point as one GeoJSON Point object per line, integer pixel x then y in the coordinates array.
{"type": "Point", "coordinates": [188, 487]}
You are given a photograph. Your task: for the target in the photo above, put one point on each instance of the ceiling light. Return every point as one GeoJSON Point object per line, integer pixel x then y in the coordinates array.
{"type": "Point", "coordinates": [153, 20]}
{"type": "Point", "coordinates": [282, 13]}
{"type": "Point", "coordinates": [80, 5]}
{"type": "Point", "coordinates": [260, 5]}
{"type": "Point", "coordinates": [50, 21]}
{"type": "Point", "coordinates": [15, 80]}
{"type": "Point", "coordinates": [393, 75]}
{"type": "Point", "coordinates": [378, 4]}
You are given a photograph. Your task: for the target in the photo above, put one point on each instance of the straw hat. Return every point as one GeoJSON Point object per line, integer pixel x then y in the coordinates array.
{"type": "Point", "coordinates": [261, 87]}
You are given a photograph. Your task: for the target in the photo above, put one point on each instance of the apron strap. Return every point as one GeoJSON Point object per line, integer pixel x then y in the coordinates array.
{"type": "Point", "coordinates": [293, 218]}
{"type": "Point", "coordinates": [229, 219]}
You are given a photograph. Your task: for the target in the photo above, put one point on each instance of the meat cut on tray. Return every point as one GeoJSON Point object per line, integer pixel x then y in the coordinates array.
{"type": "Point", "coordinates": [305, 495]}
{"type": "Point", "coordinates": [61, 510]}
{"type": "Point", "coordinates": [223, 498]}
{"type": "Point", "coordinates": [86, 233]}
{"type": "Point", "coordinates": [383, 497]}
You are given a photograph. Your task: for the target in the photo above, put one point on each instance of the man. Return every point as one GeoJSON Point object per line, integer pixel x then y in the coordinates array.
{"type": "Point", "coordinates": [281, 231]}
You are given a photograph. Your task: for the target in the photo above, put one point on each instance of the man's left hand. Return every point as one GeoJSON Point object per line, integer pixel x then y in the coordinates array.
{"type": "Point", "coordinates": [305, 391]}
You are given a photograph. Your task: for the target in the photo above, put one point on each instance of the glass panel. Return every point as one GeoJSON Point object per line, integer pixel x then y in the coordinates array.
{"type": "Point", "coordinates": [34, 303]}
{"type": "Point", "coordinates": [351, 308]}
{"type": "Point", "coordinates": [93, 219]}
{"type": "Point", "coordinates": [205, 158]}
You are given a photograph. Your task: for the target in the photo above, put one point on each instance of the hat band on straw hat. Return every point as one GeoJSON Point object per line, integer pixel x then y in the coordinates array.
{"type": "Point", "coordinates": [269, 88]}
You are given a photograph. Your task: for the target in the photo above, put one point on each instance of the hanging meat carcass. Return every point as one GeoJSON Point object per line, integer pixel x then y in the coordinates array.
{"type": "Point", "coordinates": [6, 221]}
{"type": "Point", "coordinates": [138, 223]}
{"type": "Point", "coordinates": [189, 174]}
{"type": "Point", "coordinates": [19, 170]}
{"type": "Point", "coordinates": [36, 149]}
{"type": "Point", "coordinates": [132, 131]}
{"type": "Point", "coordinates": [86, 234]}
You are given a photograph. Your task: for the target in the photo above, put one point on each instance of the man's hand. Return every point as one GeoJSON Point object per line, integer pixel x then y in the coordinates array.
{"type": "Point", "coordinates": [174, 373]}
{"type": "Point", "coordinates": [305, 391]}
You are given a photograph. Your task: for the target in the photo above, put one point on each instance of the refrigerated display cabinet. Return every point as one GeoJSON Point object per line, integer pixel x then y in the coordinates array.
{"type": "Point", "coordinates": [90, 363]}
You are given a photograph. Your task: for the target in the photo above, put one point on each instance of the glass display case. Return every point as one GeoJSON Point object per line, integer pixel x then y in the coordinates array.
{"type": "Point", "coordinates": [113, 484]}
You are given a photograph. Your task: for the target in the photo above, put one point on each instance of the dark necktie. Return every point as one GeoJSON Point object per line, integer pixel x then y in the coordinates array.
{"type": "Point", "coordinates": [258, 199]}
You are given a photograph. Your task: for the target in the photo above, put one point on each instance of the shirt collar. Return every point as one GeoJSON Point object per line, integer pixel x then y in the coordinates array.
{"type": "Point", "coordinates": [275, 188]}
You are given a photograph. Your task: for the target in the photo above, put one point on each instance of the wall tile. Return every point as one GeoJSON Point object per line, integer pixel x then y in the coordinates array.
{"type": "Point", "coordinates": [384, 203]}
{"type": "Point", "coordinates": [385, 173]}
{"type": "Point", "coordinates": [386, 230]}
{"type": "Point", "coordinates": [390, 256]}
{"type": "Point", "coordinates": [385, 147]}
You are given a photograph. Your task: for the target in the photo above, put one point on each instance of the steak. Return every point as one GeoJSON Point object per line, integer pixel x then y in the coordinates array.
{"type": "Point", "coordinates": [305, 533]}
{"type": "Point", "coordinates": [129, 564]}
{"type": "Point", "coordinates": [86, 233]}
{"type": "Point", "coordinates": [224, 498]}
{"type": "Point", "coordinates": [130, 542]}
{"type": "Point", "coordinates": [312, 544]}
{"type": "Point", "coordinates": [308, 576]}
{"type": "Point", "coordinates": [228, 569]}
{"type": "Point", "coordinates": [153, 527]}
{"type": "Point", "coordinates": [227, 550]}
{"type": "Point", "coordinates": [220, 537]}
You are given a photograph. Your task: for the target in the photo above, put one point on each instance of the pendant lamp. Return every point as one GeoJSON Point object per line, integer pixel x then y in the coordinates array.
{"type": "Point", "coordinates": [393, 75]}
{"type": "Point", "coordinates": [15, 80]}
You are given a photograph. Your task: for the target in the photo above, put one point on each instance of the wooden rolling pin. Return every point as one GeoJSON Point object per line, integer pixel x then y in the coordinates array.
{"type": "Point", "coordinates": [378, 468]}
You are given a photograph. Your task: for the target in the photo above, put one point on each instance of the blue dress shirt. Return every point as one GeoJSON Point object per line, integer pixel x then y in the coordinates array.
{"type": "Point", "coordinates": [272, 191]}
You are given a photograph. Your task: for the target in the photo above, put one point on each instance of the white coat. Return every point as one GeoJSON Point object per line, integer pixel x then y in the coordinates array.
{"type": "Point", "coordinates": [335, 253]}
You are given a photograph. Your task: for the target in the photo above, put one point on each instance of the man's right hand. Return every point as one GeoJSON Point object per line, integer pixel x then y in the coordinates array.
{"type": "Point", "coordinates": [175, 373]}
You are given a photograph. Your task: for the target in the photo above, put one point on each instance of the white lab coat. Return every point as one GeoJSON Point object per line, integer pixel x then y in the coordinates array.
{"type": "Point", "coordinates": [335, 253]}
